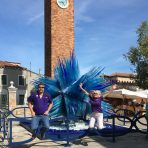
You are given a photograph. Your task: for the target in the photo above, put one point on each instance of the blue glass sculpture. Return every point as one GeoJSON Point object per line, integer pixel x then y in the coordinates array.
{"type": "Point", "coordinates": [68, 99]}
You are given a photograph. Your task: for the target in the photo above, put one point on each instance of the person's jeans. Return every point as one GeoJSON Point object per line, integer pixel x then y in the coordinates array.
{"type": "Point", "coordinates": [36, 121]}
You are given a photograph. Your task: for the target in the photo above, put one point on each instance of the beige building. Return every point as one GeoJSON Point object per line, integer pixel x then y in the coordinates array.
{"type": "Point", "coordinates": [20, 79]}
{"type": "Point", "coordinates": [124, 80]}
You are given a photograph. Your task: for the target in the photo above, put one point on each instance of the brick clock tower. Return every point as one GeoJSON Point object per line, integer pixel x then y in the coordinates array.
{"type": "Point", "coordinates": [59, 32]}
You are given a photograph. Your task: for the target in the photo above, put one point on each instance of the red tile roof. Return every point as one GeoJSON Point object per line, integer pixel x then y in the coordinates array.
{"type": "Point", "coordinates": [5, 64]}
{"type": "Point", "coordinates": [120, 74]}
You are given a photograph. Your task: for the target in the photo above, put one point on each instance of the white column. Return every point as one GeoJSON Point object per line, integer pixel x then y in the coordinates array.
{"type": "Point", "coordinates": [12, 96]}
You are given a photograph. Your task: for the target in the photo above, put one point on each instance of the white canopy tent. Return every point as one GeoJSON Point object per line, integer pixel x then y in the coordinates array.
{"type": "Point", "coordinates": [124, 93]}
{"type": "Point", "coordinates": [143, 94]}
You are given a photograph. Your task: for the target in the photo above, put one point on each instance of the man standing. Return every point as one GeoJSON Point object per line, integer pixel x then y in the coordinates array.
{"type": "Point", "coordinates": [40, 104]}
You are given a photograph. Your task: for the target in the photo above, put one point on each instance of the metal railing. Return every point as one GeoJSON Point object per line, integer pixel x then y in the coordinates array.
{"type": "Point", "coordinates": [8, 117]}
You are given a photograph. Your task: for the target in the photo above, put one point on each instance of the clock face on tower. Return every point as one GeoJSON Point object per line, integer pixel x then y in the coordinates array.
{"type": "Point", "coordinates": [63, 3]}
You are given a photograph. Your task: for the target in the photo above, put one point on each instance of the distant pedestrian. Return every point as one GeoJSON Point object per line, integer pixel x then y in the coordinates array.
{"type": "Point", "coordinates": [142, 103]}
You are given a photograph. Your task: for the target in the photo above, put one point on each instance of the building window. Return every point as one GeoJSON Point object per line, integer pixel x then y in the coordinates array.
{"type": "Point", "coordinates": [4, 79]}
{"type": "Point", "coordinates": [3, 99]}
{"type": "Point", "coordinates": [21, 80]}
{"type": "Point", "coordinates": [21, 100]}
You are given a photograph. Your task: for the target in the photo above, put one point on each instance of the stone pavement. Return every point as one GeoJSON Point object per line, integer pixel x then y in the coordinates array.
{"type": "Point", "coordinates": [136, 140]}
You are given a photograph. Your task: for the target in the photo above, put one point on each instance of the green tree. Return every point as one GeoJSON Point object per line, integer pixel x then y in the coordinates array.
{"type": "Point", "coordinates": [138, 56]}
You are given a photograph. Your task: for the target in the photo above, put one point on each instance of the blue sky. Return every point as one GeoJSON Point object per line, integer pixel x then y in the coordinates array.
{"type": "Point", "coordinates": [104, 31]}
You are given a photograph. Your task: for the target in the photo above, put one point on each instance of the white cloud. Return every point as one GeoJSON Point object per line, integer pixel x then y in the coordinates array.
{"type": "Point", "coordinates": [94, 39]}
{"type": "Point", "coordinates": [81, 11]}
{"type": "Point", "coordinates": [35, 18]}
{"type": "Point", "coordinates": [84, 70]}
{"type": "Point", "coordinates": [118, 3]}
{"type": "Point", "coordinates": [119, 60]}
{"type": "Point", "coordinates": [84, 8]}
{"type": "Point", "coordinates": [21, 10]}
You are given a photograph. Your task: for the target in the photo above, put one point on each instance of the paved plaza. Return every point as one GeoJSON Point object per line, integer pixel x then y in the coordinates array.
{"type": "Point", "coordinates": [136, 140]}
